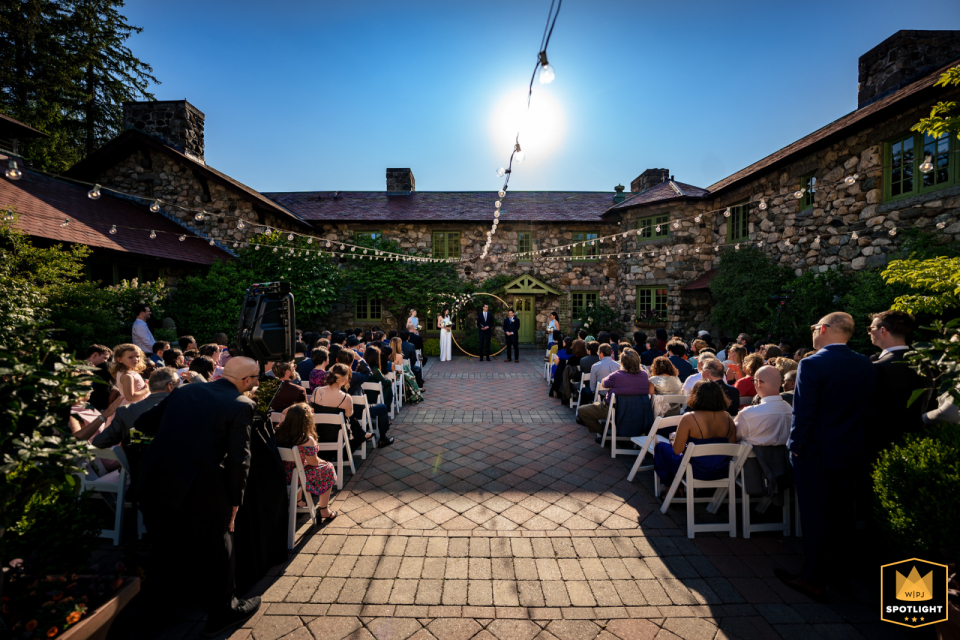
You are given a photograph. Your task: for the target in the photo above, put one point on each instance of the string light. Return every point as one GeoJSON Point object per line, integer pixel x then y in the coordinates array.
{"type": "Point", "coordinates": [155, 207]}
{"type": "Point", "coordinates": [892, 232]}
{"type": "Point", "coordinates": [798, 193]}
{"type": "Point", "coordinates": [927, 165]}
{"type": "Point", "coordinates": [941, 225]}
{"type": "Point", "coordinates": [501, 172]}
{"type": "Point", "coordinates": [199, 216]}
{"type": "Point", "coordinates": [65, 223]}
{"type": "Point", "coordinates": [13, 172]}
{"type": "Point", "coordinates": [153, 234]}
{"type": "Point", "coordinates": [726, 214]}
{"type": "Point", "coordinates": [113, 229]}
{"type": "Point", "coordinates": [849, 180]}
{"type": "Point", "coordinates": [182, 238]}
{"type": "Point", "coordinates": [94, 194]}
{"type": "Point", "coordinates": [546, 71]}
{"type": "Point", "coordinates": [211, 242]}
{"type": "Point", "coordinates": [518, 153]}
{"type": "Point", "coordinates": [762, 206]}
{"type": "Point", "coordinates": [854, 236]}
{"type": "Point", "coordinates": [240, 224]}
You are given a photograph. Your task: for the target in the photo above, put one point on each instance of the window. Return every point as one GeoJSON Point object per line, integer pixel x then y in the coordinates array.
{"type": "Point", "coordinates": [525, 245]}
{"type": "Point", "coordinates": [809, 185]}
{"type": "Point", "coordinates": [587, 251]}
{"type": "Point", "coordinates": [368, 308]}
{"type": "Point", "coordinates": [908, 156]}
{"type": "Point", "coordinates": [446, 244]}
{"type": "Point", "coordinates": [367, 235]}
{"type": "Point", "coordinates": [652, 302]}
{"type": "Point", "coordinates": [580, 300]}
{"type": "Point", "coordinates": [649, 227]}
{"type": "Point", "coordinates": [738, 224]}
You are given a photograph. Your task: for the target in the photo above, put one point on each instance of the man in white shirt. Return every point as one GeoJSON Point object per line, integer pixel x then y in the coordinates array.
{"type": "Point", "coordinates": [141, 332]}
{"type": "Point", "coordinates": [698, 376]}
{"type": "Point", "coordinates": [768, 423]}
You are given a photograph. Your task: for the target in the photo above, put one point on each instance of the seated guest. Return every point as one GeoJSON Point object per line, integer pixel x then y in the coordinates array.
{"type": "Point", "coordinates": [290, 391]}
{"type": "Point", "coordinates": [705, 422]}
{"type": "Point", "coordinates": [157, 355]}
{"type": "Point", "coordinates": [661, 340]}
{"type": "Point", "coordinates": [789, 382]}
{"type": "Point", "coordinates": [800, 354]}
{"type": "Point", "coordinates": [201, 369]}
{"type": "Point", "coordinates": [554, 344]}
{"type": "Point", "coordinates": [298, 430]}
{"type": "Point", "coordinates": [570, 380]}
{"type": "Point", "coordinates": [629, 380]}
{"type": "Point", "coordinates": [695, 347]}
{"type": "Point", "coordinates": [767, 423]}
{"type": "Point", "coordinates": [559, 364]}
{"type": "Point", "coordinates": [600, 370]}
{"type": "Point", "coordinates": [379, 411]}
{"type": "Point", "coordinates": [162, 383]}
{"type": "Point", "coordinates": [187, 343]}
{"type": "Point", "coordinates": [663, 377]}
{"type": "Point", "coordinates": [592, 357]}
{"type": "Point", "coordinates": [174, 358]}
{"type": "Point", "coordinates": [128, 364]}
{"type": "Point", "coordinates": [677, 351]}
{"type": "Point", "coordinates": [770, 352]}
{"type": "Point", "coordinates": [212, 351]}
{"type": "Point", "coordinates": [640, 341]}
{"type": "Point", "coordinates": [651, 353]}
{"type": "Point", "coordinates": [713, 371]}
{"type": "Point", "coordinates": [233, 351]}
{"type": "Point", "coordinates": [318, 358]}
{"type": "Point", "coordinates": [582, 334]}
{"type": "Point", "coordinates": [305, 367]}
{"type": "Point", "coordinates": [724, 354]}
{"type": "Point", "coordinates": [410, 353]}
{"type": "Point", "coordinates": [331, 399]}
{"type": "Point", "coordinates": [696, 377]}
{"type": "Point", "coordinates": [734, 365]}
{"type": "Point", "coordinates": [98, 357]}
{"type": "Point", "coordinates": [744, 385]}
{"type": "Point", "coordinates": [411, 390]}
{"type": "Point", "coordinates": [189, 355]}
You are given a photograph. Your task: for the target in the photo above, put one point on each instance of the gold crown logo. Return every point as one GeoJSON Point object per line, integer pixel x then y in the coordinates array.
{"type": "Point", "coordinates": [914, 588]}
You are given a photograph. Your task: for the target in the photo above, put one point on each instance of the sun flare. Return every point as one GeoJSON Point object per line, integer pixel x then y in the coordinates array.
{"type": "Point", "coordinates": [541, 129]}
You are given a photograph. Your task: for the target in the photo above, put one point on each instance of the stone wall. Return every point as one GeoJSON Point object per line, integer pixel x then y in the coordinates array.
{"type": "Point", "coordinates": [176, 122]}
{"type": "Point", "coordinates": [902, 58]}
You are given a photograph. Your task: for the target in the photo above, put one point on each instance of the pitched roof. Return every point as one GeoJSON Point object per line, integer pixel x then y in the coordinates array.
{"type": "Point", "coordinates": [915, 91]}
{"type": "Point", "coordinates": [703, 282]}
{"type": "Point", "coordinates": [43, 202]}
{"type": "Point", "coordinates": [132, 139]}
{"type": "Point", "coordinates": [11, 128]}
{"type": "Point", "coordinates": [446, 206]}
{"type": "Point", "coordinates": [662, 192]}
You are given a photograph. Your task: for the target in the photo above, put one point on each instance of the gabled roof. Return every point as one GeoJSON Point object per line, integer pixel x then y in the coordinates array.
{"type": "Point", "coordinates": [132, 140]}
{"type": "Point", "coordinates": [446, 206]}
{"type": "Point", "coordinates": [661, 192]}
{"type": "Point", "coordinates": [527, 284]}
{"type": "Point", "coordinates": [43, 202]}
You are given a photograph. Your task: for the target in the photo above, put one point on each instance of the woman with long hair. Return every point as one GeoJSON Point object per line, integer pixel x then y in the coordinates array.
{"type": "Point", "coordinates": [411, 390]}
{"type": "Point", "coordinates": [128, 363]}
{"type": "Point", "coordinates": [379, 411]}
{"type": "Point", "coordinates": [413, 323]}
{"type": "Point", "coordinates": [445, 324]}
{"type": "Point", "coordinates": [297, 430]}
{"type": "Point", "coordinates": [734, 365]}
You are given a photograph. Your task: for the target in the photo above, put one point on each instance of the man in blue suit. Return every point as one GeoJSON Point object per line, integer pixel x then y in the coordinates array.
{"type": "Point", "coordinates": [834, 391]}
{"type": "Point", "coordinates": [511, 333]}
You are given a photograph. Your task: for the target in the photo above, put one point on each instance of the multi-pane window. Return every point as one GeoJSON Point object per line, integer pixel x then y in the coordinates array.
{"type": "Point", "coordinates": [580, 300]}
{"type": "Point", "coordinates": [367, 235]}
{"type": "Point", "coordinates": [655, 227]}
{"type": "Point", "coordinates": [919, 163]}
{"type": "Point", "coordinates": [585, 246]}
{"type": "Point", "coordinates": [525, 245]}
{"type": "Point", "coordinates": [809, 185]}
{"type": "Point", "coordinates": [738, 224]}
{"type": "Point", "coordinates": [368, 308]}
{"type": "Point", "coordinates": [652, 302]}
{"type": "Point", "coordinates": [446, 244]}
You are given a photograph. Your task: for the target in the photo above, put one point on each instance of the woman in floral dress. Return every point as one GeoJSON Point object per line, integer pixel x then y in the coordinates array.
{"type": "Point", "coordinates": [411, 390]}
{"type": "Point", "coordinates": [298, 430]}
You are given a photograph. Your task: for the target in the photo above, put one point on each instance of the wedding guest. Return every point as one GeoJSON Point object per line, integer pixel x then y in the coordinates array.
{"type": "Point", "coordinates": [305, 367]}
{"type": "Point", "coordinates": [332, 398]}
{"type": "Point", "coordinates": [592, 357]}
{"type": "Point", "coordinates": [751, 364]}
{"type": "Point", "coordinates": [162, 382]}
{"type": "Point", "coordinates": [789, 382]}
{"type": "Point", "coordinates": [410, 353]}
{"type": "Point", "coordinates": [724, 354]}
{"type": "Point", "coordinates": [128, 364]}
{"type": "Point", "coordinates": [770, 352]}
{"type": "Point", "coordinates": [85, 421]}
{"type": "Point", "coordinates": [713, 371]}
{"type": "Point", "coordinates": [664, 377]}
{"type": "Point", "coordinates": [379, 410]}
{"type": "Point", "coordinates": [661, 340]}
{"type": "Point", "coordinates": [651, 353]}
{"type": "Point", "coordinates": [233, 351]}
{"type": "Point", "coordinates": [640, 342]}
{"type": "Point", "coordinates": [173, 358]}
{"type": "Point", "coordinates": [734, 365]}
{"type": "Point", "coordinates": [601, 369]}
{"type": "Point", "coordinates": [767, 423]}
{"type": "Point", "coordinates": [745, 341]}
{"type": "Point", "coordinates": [290, 391]}
{"type": "Point", "coordinates": [696, 377]}
{"type": "Point", "coordinates": [570, 379]}
{"type": "Point", "coordinates": [559, 364]}
{"type": "Point", "coordinates": [297, 430]}
{"type": "Point", "coordinates": [695, 347]}
{"type": "Point", "coordinates": [677, 351]}
{"type": "Point", "coordinates": [156, 353]}
{"type": "Point", "coordinates": [141, 332]}
{"type": "Point", "coordinates": [187, 343]}
{"type": "Point", "coordinates": [98, 357]}
{"type": "Point", "coordinates": [410, 386]}
{"type": "Point", "coordinates": [629, 380]}
{"type": "Point", "coordinates": [318, 358]}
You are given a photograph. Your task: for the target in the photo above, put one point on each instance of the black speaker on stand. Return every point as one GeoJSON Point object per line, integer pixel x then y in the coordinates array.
{"type": "Point", "coordinates": [267, 329]}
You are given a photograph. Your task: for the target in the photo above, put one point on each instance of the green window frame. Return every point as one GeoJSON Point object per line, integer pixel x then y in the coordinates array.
{"type": "Point", "coordinates": [903, 157]}
{"type": "Point", "coordinates": [525, 246]}
{"type": "Point", "coordinates": [738, 224]}
{"type": "Point", "coordinates": [368, 235]}
{"type": "Point", "coordinates": [446, 244]}
{"type": "Point", "coordinates": [367, 308]}
{"type": "Point", "coordinates": [809, 185]}
{"type": "Point", "coordinates": [648, 227]}
{"type": "Point", "coordinates": [579, 300]}
{"type": "Point", "coordinates": [652, 302]}
{"type": "Point", "coordinates": [584, 252]}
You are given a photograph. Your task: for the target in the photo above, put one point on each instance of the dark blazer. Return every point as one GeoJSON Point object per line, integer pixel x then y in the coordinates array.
{"type": "Point", "coordinates": [409, 352]}
{"type": "Point", "coordinates": [684, 368]}
{"type": "Point", "coordinates": [481, 323]}
{"type": "Point", "coordinates": [587, 362]}
{"type": "Point", "coordinates": [648, 356]}
{"type": "Point", "coordinates": [733, 395]}
{"type": "Point", "coordinates": [123, 420]}
{"type": "Point", "coordinates": [512, 324]}
{"type": "Point", "coordinates": [835, 387]}
{"type": "Point", "coordinates": [896, 382]}
{"type": "Point", "coordinates": [416, 341]}
{"type": "Point", "coordinates": [200, 457]}
{"type": "Point", "coordinates": [304, 367]}
{"type": "Point", "coordinates": [290, 393]}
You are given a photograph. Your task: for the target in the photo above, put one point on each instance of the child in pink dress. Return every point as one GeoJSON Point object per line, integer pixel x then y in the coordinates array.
{"type": "Point", "coordinates": [128, 363]}
{"type": "Point", "coordinates": [298, 430]}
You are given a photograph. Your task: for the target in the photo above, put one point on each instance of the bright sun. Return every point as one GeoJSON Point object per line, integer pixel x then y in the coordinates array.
{"type": "Point", "coordinates": [541, 130]}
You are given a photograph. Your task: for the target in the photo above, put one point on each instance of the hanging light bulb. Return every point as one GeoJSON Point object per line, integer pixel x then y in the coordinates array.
{"type": "Point", "coordinates": [199, 216]}
{"type": "Point", "coordinates": [941, 225]}
{"type": "Point", "coordinates": [13, 173]}
{"type": "Point", "coordinates": [763, 205]}
{"type": "Point", "coordinates": [496, 214]}
{"type": "Point", "coordinates": [256, 247]}
{"type": "Point", "coordinates": [65, 223]}
{"type": "Point", "coordinates": [501, 193]}
{"type": "Point", "coordinates": [892, 232]}
{"type": "Point", "coordinates": [658, 228]}
{"type": "Point", "coordinates": [182, 238]}
{"type": "Point", "coordinates": [290, 237]}
{"type": "Point", "coordinates": [676, 225]}
{"type": "Point", "coordinates": [274, 249]}
{"type": "Point", "coordinates": [518, 153]}
{"type": "Point", "coordinates": [854, 236]}
{"type": "Point", "coordinates": [113, 229]}
{"type": "Point", "coordinates": [546, 71]}
{"type": "Point", "coordinates": [799, 193]}
{"type": "Point", "coordinates": [235, 245]}
{"type": "Point", "coordinates": [94, 194]}
{"type": "Point", "coordinates": [817, 240]}
{"type": "Point", "coordinates": [698, 219]}
{"type": "Point", "coordinates": [697, 250]}
{"type": "Point", "coordinates": [240, 224]}
{"type": "Point", "coordinates": [760, 244]}
{"type": "Point", "coordinates": [726, 214]}
{"type": "Point", "coordinates": [155, 207]}
{"type": "Point", "coordinates": [927, 165]}
{"type": "Point", "coordinates": [153, 234]}
{"type": "Point", "coordinates": [341, 247]}
{"type": "Point", "coordinates": [737, 247]}
{"type": "Point", "coordinates": [501, 172]}
{"type": "Point", "coordinates": [328, 242]}
{"type": "Point", "coordinates": [497, 204]}
{"type": "Point", "coordinates": [849, 180]}
{"type": "Point", "coordinates": [212, 242]}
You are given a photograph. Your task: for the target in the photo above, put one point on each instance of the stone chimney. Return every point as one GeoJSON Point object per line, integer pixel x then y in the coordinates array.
{"type": "Point", "coordinates": [400, 182]}
{"type": "Point", "coordinates": [649, 178]}
{"type": "Point", "coordinates": [619, 197]}
{"type": "Point", "coordinates": [177, 122]}
{"type": "Point", "coordinates": [902, 58]}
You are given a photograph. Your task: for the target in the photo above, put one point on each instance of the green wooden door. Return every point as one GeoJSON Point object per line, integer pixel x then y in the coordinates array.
{"type": "Point", "coordinates": [524, 307]}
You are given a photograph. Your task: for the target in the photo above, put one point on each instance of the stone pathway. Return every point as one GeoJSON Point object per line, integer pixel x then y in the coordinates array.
{"type": "Point", "coordinates": [494, 515]}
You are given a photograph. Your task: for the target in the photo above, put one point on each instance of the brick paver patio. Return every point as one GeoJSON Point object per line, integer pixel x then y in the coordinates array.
{"type": "Point", "coordinates": [494, 515]}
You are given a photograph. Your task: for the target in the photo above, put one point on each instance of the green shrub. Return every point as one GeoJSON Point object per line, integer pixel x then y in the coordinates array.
{"type": "Point", "coordinates": [431, 347]}
{"type": "Point", "coordinates": [204, 305]}
{"type": "Point", "coordinates": [742, 288]}
{"type": "Point", "coordinates": [917, 489]}
{"type": "Point", "coordinates": [471, 343]}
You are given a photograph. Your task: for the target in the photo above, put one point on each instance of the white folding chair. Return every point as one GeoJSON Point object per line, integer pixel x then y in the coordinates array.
{"type": "Point", "coordinates": [676, 398]}
{"type": "Point", "coordinates": [647, 444]}
{"type": "Point", "coordinates": [420, 357]}
{"type": "Point", "coordinates": [611, 427]}
{"type": "Point", "coordinates": [398, 386]}
{"type": "Point", "coordinates": [298, 482]}
{"type": "Point", "coordinates": [546, 366]}
{"type": "Point", "coordinates": [305, 384]}
{"type": "Point", "coordinates": [745, 499]}
{"type": "Point", "coordinates": [584, 379]}
{"type": "Point", "coordinates": [360, 404]}
{"type": "Point", "coordinates": [115, 483]}
{"type": "Point", "coordinates": [738, 453]}
{"type": "Point", "coordinates": [392, 379]}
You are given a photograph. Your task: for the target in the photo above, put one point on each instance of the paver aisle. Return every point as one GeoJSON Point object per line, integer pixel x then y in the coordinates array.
{"type": "Point", "coordinates": [494, 515]}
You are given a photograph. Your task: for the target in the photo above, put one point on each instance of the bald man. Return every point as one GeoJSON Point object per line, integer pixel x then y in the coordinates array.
{"type": "Point", "coordinates": [768, 423]}
{"type": "Point", "coordinates": [835, 387]}
{"type": "Point", "coordinates": [192, 480]}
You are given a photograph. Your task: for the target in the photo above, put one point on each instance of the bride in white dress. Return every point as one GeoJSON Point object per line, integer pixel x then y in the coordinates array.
{"type": "Point", "coordinates": [446, 336]}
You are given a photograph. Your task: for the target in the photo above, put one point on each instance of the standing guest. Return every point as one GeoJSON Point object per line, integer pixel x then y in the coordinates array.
{"type": "Point", "coordinates": [553, 325]}
{"type": "Point", "coordinates": [677, 350]}
{"type": "Point", "coordinates": [128, 364]}
{"type": "Point", "coordinates": [826, 442]}
{"type": "Point", "coordinates": [192, 482]}
{"type": "Point", "coordinates": [297, 430]}
{"type": "Point", "coordinates": [651, 353]}
{"type": "Point", "coordinates": [485, 328]}
{"type": "Point", "coordinates": [511, 333]}
{"type": "Point", "coordinates": [751, 364]}
{"type": "Point", "coordinates": [98, 356]}
{"type": "Point", "coordinates": [318, 358]}
{"type": "Point", "coordinates": [141, 332]}
{"type": "Point", "coordinates": [379, 410]}
{"type": "Point", "coordinates": [187, 343]}
{"type": "Point", "coordinates": [734, 365]}
{"type": "Point", "coordinates": [162, 383]}
{"type": "Point", "coordinates": [629, 380]}
{"type": "Point", "coordinates": [713, 372]}
{"type": "Point", "coordinates": [290, 392]}
{"type": "Point", "coordinates": [156, 352]}
{"type": "Point", "coordinates": [413, 323]}
{"type": "Point", "coordinates": [768, 423]}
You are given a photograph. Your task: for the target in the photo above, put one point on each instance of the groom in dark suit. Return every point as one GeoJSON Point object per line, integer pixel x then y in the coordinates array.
{"type": "Point", "coordinates": [511, 331]}
{"type": "Point", "coordinates": [485, 326]}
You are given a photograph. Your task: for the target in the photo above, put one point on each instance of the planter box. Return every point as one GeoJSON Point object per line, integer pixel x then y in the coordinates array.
{"type": "Point", "coordinates": [97, 624]}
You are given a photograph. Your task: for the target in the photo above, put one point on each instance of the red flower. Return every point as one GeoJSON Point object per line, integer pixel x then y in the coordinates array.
{"type": "Point", "coordinates": [52, 631]}
{"type": "Point", "coordinates": [73, 618]}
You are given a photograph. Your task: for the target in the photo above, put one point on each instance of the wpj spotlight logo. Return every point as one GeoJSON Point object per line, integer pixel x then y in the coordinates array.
{"type": "Point", "coordinates": [913, 592]}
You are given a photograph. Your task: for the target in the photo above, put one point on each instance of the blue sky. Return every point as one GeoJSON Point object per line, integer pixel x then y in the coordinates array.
{"type": "Point", "coordinates": [307, 95]}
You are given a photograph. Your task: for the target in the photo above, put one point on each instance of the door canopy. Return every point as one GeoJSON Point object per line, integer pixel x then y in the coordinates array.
{"type": "Point", "coordinates": [528, 285]}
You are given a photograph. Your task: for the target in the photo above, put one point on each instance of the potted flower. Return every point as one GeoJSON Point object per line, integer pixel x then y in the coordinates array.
{"type": "Point", "coordinates": [650, 319]}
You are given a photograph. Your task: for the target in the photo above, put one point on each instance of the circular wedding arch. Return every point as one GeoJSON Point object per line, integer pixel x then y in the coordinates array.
{"type": "Point", "coordinates": [503, 302]}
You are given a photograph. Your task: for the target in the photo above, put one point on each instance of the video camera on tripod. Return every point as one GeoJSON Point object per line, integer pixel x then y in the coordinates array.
{"type": "Point", "coordinates": [267, 327]}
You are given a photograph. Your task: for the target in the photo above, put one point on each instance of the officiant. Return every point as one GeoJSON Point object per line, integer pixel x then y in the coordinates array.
{"type": "Point", "coordinates": [511, 332]}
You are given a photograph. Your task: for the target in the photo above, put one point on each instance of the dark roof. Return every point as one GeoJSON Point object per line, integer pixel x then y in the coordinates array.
{"type": "Point", "coordinates": [11, 128]}
{"type": "Point", "coordinates": [43, 202]}
{"type": "Point", "coordinates": [132, 139]}
{"type": "Point", "coordinates": [703, 282]}
{"type": "Point", "coordinates": [661, 192]}
{"type": "Point", "coordinates": [916, 91]}
{"type": "Point", "coordinates": [442, 206]}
